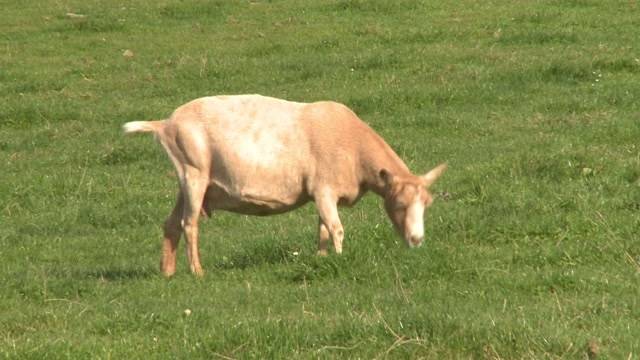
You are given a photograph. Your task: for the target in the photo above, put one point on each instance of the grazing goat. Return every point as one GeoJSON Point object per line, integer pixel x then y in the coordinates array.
{"type": "Point", "coordinates": [258, 155]}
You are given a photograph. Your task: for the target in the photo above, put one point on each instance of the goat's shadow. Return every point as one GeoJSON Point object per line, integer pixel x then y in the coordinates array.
{"type": "Point", "coordinates": [255, 257]}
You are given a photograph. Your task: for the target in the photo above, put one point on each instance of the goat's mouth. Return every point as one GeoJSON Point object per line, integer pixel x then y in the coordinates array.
{"type": "Point", "coordinates": [414, 242]}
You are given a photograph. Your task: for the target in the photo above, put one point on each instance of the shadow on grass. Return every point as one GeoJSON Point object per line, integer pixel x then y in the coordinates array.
{"type": "Point", "coordinates": [261, 254]}
{"type": "Point", "coordinates": [287, 264]}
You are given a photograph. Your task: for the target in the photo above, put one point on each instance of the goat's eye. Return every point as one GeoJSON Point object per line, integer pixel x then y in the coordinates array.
{"type": "Point", "coordinates": [400, 206]}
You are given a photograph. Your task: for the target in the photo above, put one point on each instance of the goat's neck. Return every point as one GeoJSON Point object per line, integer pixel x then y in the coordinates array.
{"type": "Point", "coordinates": [385, 159]}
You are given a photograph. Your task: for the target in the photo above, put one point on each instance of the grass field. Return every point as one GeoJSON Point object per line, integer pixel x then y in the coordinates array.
{"type": "Point", "coordinates": [532, 247]}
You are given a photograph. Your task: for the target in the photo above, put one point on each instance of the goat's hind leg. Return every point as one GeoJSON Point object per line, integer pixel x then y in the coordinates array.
{"type": "Point", "coordinates": [172, 231]}
{"type": "Point", "coordinates": [194, 188]}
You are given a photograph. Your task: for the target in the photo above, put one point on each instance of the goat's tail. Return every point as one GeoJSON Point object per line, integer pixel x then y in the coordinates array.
{"type": "Point", "coordinates": [143, 126]}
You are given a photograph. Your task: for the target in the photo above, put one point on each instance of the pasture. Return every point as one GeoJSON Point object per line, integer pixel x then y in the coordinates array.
{"type": "Point", "coordinates": [532, 245]}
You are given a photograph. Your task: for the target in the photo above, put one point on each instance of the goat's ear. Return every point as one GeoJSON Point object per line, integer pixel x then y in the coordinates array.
{"type": "Point", "coordinates": [429, 178]}
{"type": "Point", "coordinates": [387, 177]}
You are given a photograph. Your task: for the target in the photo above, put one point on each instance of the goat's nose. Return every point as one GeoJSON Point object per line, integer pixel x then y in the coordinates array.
{"type": "Point", "coordinates": [416, 241]}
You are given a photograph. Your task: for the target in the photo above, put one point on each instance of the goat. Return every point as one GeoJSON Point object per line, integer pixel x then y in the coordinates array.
{"type": "Point", "coordinates": [258, 155]}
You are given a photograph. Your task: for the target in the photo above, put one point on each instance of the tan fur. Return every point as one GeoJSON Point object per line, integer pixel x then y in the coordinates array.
{"type": "Point", "coordinates": [258, 155]}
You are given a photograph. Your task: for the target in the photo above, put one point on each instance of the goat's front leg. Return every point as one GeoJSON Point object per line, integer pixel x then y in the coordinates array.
{"type": "Point", "coordinates": [329, 223]}
{"type": "Point", "coordinates": [323, 238]}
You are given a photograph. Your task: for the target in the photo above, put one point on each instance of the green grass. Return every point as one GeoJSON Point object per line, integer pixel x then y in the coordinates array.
{"type": "Point", "coordinates": [533, 244]}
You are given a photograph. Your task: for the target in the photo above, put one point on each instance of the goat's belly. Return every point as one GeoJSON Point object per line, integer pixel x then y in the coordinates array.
{"type": "Point", "coordinates": [259, 208]}
{"type": "Point", "coordinates": [251, 201]}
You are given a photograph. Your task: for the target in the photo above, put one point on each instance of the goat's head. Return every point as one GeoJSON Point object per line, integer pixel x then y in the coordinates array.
{"type": "Point", "coordinates": [406, 199]}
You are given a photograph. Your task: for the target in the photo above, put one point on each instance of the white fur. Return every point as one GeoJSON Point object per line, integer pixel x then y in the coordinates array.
{"type": "Point", "coordinates": [136, 126]}
{"type": "Point", "coordinates": [415, 223]}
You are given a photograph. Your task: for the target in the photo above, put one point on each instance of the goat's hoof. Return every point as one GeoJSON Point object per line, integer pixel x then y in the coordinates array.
{"type": "Point", "coordinates": [198, 272]}
{"type": "Point", "coordinates": [167, 272]}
